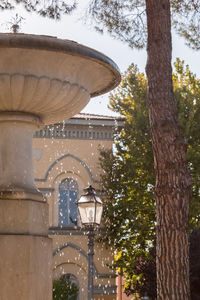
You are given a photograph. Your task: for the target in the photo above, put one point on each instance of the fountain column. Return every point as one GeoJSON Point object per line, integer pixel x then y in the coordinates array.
{"type": "Point", "coordinates": [25, 257]}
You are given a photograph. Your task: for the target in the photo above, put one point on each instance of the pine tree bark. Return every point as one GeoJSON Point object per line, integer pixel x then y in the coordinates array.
{"type": "Point", "coordinates": [173, 181]}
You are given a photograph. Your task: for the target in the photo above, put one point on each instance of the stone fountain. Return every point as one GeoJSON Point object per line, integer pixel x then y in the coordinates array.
{"type": "Point", "coordinates": [43, 80]}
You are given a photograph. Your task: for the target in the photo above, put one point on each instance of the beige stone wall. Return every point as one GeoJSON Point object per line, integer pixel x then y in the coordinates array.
{"type": "Point", "coordinates": [55, 160]}
{"type": "Point", "coordinates": [48, 150]}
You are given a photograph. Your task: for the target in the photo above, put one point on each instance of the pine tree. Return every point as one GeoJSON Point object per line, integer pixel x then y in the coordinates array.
{"type": "Point", "coordinates": [129, 178]}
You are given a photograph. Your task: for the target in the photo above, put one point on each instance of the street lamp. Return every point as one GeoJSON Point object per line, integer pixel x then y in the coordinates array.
{"type": "Point", "coordinates": [90, 209]}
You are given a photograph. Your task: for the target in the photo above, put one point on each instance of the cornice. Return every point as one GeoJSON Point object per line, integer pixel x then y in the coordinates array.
{"type": "Point", "coordinates": [76, 133]}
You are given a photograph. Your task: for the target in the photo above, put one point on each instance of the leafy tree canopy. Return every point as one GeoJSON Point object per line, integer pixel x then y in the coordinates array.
{"type": "Point", "coordinates": [144, 271]}
{"type": "Point", "coordinates": [128, 177]}
{"type": "Point", "coordinates": [123, 19]}
{"type": "Point", "coordinates": [64, 289]}
{"type": "Point", "coordinates": [46, 8]}
{"type": "Point", "coordinates": [126, 20]}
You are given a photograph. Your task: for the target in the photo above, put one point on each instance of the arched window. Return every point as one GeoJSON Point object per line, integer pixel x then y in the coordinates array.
{"type": "Point", "coordinates": [68, 195]}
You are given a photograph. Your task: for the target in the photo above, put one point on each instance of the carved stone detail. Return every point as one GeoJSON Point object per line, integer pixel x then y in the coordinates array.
{"type": "Point", "coordinates": [49, 98]}
{"type": "Point", "coordinates": [75, 134]}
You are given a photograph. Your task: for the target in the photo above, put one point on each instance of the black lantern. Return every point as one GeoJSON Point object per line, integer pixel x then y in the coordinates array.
{"type": "Point", "coordinates": [90, 208]}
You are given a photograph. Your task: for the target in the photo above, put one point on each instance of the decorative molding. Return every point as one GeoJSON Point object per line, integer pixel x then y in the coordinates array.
{"type": "Point", "coordinates": [72, 230]}
{"type": "Point", "coordinates": [25, 234]}
{"type": "Point", "coordinates": [29, 92]}
{"type": "Point", "coordinates": [95, 121]}
{"type": "Point", "coordinates": [62, 157]}
{"type": "Point", "coordinates": [68, 244]}
{"type": "Point", "coordinates": [76, 133]}
{"type": "Point", "coordinates": [81, 251]}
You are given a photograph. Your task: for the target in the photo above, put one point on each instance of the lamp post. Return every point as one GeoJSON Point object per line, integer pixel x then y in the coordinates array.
{"type": "Point", "coordinates": [90, 209]}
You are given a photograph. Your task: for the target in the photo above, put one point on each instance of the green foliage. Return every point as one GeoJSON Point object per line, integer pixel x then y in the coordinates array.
{"type": "Point", "coordinates": [143, 276]}
{"type": "Point", "coordinates": [187, 97]}
{"type": "Point", "coordinates": [144, 271]}
{"type": "Point", "coordinates": [45, 8]}
{"type": "Point", "coordinates": [126, 20]}
{"type": "Point", "coordinates": [64, 289]}
{"type": "Point", "coordinates": [129, 178]}
{"type": "Point", "coordinates": [129, 174]}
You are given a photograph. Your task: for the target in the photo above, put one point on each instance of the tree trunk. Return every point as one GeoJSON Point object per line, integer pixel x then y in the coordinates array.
{"type": "Point", "coordinates": [173, 181]}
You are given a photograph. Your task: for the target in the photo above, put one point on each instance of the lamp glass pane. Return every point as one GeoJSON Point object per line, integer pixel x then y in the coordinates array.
{"type": "Point", "coordinates": [99, 211]}
{"type": "Point", "coordinates": [90, 214]}
{"type": "Point", "coordinates": [90, 209]}
{"type": "Point", "coordinates": [82, 214]}
{"type": "Point", "coordinates": [87, 213]}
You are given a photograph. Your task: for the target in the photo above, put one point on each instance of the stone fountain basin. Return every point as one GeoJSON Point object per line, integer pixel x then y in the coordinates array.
{"type": "Point", "coordinates": [51, 78]}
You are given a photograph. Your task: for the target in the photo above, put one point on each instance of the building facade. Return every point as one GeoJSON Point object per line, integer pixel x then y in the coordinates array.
{"type": "Point", "coordinates": [66, 160]}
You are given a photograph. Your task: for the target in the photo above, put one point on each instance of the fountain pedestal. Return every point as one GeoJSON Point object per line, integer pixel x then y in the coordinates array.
{"type": "Point", "coordinates": [43, 80]}
{"type": "Point", "coordinates": [25, 259]}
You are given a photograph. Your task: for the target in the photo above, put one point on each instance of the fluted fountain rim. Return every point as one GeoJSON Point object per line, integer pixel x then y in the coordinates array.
{"type": "Point", "coordinates": [54, 44]}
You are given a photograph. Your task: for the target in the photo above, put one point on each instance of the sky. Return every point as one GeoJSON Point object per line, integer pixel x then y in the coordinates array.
{"type": "Point", "coordinates": [73, 28]}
